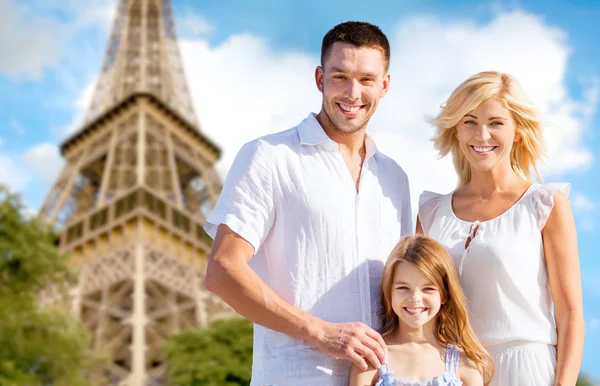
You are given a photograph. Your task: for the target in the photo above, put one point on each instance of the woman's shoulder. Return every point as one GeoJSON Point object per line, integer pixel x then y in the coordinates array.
{"type": "Point", "coordinates": [430, 207]}
{"type": "Point", "coordinates": [550, 189]}
{"type": "Point", "coordinates": [544, 197]}
{"type": "Point", "coordinates": [429, 197]}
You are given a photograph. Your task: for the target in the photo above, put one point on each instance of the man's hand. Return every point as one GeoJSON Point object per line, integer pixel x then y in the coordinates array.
{"type": "Point", "coordinates": [354, 341]}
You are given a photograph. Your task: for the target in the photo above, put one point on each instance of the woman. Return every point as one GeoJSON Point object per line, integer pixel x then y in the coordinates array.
{"type": "Point", "coordinates": [513, 241]}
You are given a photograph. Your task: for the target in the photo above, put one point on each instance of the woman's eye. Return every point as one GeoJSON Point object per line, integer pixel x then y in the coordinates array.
{"type": "Point", "coordinates": [469, 122]}
{"type": "Point", "coordinates": [429, 289]}
{"type": "Point", "coordinates": [402, 287]}
{"type": "Point", "coordinates": [497, 124]}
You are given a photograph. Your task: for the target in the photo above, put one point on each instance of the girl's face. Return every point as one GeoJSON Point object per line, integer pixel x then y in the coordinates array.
{"type": "Point", "coordinates": [415, 299]}
{"type": "Point", "coordinates": [486, 136]}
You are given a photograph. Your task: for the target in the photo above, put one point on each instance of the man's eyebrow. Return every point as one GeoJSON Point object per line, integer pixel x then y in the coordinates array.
{"type": "Point", "coordinates": [336, 69]}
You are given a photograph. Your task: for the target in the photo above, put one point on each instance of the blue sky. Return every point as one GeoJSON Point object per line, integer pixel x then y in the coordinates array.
{"type": "Point", "coordinates": [250, 69]}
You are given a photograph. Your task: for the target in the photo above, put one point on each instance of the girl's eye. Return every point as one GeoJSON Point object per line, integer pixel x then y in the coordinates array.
{"type": "Point", "coordinates": [469, 122]}
{"type": "Point", "coordinates": [430, 289]}
{"type": "Point", "coordinates": [402, 287]}
{"type": "Point", "coordinates": [497, 124]}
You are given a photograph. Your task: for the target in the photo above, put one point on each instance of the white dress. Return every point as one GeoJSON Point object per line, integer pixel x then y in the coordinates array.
{"type": "Point", "coordinates": [504, 277]}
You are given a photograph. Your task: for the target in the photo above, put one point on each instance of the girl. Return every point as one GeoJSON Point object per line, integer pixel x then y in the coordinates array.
{"type": "Point", "coordinates": [513, 241]}
{"type": "Point", "coordinates": [425, 325]}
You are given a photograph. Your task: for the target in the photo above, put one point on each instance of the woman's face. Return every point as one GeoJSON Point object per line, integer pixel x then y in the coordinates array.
{"type": "Point", "coordinates": [486, 136]}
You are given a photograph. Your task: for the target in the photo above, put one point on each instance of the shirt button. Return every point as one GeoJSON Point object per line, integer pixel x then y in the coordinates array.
{"type": "Point", "coordinates": [364, 278]}
{"type": "Point", "coordinates": [367, 317]}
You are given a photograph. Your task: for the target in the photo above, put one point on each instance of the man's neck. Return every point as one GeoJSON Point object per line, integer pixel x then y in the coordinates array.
{"type": "Point", "coordinates": [352, 144]}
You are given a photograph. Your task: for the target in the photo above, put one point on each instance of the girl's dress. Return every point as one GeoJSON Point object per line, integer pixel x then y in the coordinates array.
{"type": "Point", "coordinates": [449, 378]}
{"type": "Point", "coordinates": [502, 269]}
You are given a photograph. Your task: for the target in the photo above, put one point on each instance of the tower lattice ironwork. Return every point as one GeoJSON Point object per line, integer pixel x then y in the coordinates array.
{"type": "Point", "coordinates": [138, 182]}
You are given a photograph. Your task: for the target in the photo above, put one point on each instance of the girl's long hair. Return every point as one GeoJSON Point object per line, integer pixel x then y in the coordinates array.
{"type": "Point", "coordinates": [451, 324]}
{"type": "Point", "coordinates": [505, 89]}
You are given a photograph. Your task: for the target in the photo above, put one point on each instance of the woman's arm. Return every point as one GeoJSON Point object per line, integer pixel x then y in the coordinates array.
{"type": "Point", "coordinates": [562, 258]}
{"type": "Point", "coordinates": [360, 377]}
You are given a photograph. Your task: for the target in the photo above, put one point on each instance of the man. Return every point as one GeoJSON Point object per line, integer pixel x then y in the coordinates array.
{"type": "Point", "coordinates": [315, 210]}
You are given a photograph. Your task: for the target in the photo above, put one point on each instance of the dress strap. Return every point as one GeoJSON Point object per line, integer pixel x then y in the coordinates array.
{"type": "Point", "coordinates": [452, 359]}
{"type": "Point", "coordinates": [386, 377]}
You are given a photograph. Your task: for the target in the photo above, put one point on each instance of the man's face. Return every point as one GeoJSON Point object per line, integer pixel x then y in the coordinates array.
{"type": "Point", "coordinates": [352, 80]}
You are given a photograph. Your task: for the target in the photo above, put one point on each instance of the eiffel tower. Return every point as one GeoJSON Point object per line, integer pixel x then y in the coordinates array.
{"type": "Point", "coordinates": [138, 183]}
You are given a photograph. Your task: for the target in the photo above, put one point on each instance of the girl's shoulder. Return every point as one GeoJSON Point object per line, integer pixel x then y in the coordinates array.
{"type": "Point", "coordinates": [468, 372]}
{"type": "Point", "coordinates": [360, 377]}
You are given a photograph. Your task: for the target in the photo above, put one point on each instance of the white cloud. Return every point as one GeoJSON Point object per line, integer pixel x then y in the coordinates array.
{"type": "Point", "coordinates": [584, 209]}
{"type": "Point", "coordinates": [430, 59]}
{"type": "Point", "coordinates": [194, 24]}
{"type": "Point", "coordinates": [79, 14]}
{"type": "Point", "coordinates": [80, 107]}
{"type": "Point", "coordinates": [13, 174]}
{"type": "Point", "coordinates": [28, 43]}
{"type": "Point", "coordinates": [582, 203]}
{"type": "Point", "coordinates": [35, 36]}
{"type": "Point", "coordinates": [45, 160]}
{"type": "Point", "coordinates": [243, 89]}
{"type": "Point", "coordinates": [16, 126]}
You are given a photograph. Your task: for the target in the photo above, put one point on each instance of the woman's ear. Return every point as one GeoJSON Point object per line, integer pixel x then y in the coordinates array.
{"type": "Point", "coordinates": [517, 137]}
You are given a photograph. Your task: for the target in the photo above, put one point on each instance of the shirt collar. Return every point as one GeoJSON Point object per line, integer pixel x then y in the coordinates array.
{"type": "Point", "coordinates": [370, 147]}
{"type": "Point", "coordinates": [311, 133]}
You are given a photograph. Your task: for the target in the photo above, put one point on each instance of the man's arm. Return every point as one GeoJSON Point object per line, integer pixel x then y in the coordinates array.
{"type": "Point", "coordinates": [229, 276]}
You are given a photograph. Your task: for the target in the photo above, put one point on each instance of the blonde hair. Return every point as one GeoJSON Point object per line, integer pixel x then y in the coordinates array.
{"type": "Point", "coordinates": [505, 89]}
{"type": "Point", "coordinates": [451, 324]}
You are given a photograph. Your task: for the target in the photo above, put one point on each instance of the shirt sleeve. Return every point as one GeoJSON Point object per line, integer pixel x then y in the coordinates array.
{"type": "Point", "coordinates": [428, 208]}
{"type": "Point", "coordinates": [246, 203]}
{"type": "Point", "coordinates": [407, 226]}
{"type": "Point", "coordinates": [543, 199]}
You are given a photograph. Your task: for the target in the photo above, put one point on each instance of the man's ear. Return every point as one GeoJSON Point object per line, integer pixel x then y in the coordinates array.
{"type": "Point", "coordinates": [386, 85]}
{"type": "Point", "coordinates": [319, 77]}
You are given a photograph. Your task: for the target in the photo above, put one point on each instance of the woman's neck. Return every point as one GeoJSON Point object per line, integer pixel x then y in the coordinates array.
{"type": "Point", "coordinates": [485, 184]}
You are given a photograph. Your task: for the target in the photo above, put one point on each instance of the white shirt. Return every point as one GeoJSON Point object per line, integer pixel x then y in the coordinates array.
{"type": "Point", "coordinates": [503, 270]}
{"type": "Point", "coordinates": [320, 245]}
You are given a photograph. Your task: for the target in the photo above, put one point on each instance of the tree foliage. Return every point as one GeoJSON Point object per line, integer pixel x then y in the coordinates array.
{"type": "Point", "coordinates": [584, 381]}
{"type": "Point", "coordinates": [220, 355]}
{"type": "Point", "coordinates": [37, 346]}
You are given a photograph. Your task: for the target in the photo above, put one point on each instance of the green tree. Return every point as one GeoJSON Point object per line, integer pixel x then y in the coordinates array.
{"type": "Point", "coordinates": [37, 346]}
{"type": "Point", "coordinates": [220, 355]}
{"type": "Point", "coordinates": [583, 381]}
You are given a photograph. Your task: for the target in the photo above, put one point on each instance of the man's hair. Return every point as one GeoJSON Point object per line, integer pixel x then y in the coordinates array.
{"type": "Point", "coordinates": [359, 34]}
